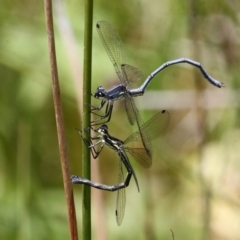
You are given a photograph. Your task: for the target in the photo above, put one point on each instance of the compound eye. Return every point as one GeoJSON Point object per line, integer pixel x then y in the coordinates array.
{"type": "Point", "coordinates": [104, 128]}
{"type": "Point", "coordinates": [100, 92]}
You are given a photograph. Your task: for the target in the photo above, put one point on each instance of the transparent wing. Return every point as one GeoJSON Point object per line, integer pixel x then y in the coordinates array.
{"type": "Point", "coordinates": [142, 132]}
{"type": "Point", "coordinates": [141, 156]}
{"type": "Point", "coordinates": [155, 127]}
{"type": "Point", "coordinates": [149, 131]}
{"type": "Point", "coordinates": [131, 74]}
{"type": "Point", "coordinates": [129, 109]}
{"type": "Point", "coordinates": [113, 45]}
{"type": "Point", "coordinates": [158, 124]}
{"type": "Point", "coordinates": [134, 175]}
{"type": "Point", "coordinates": [114, 48]}
{"type": "Point", "coordinates": [121, 197]}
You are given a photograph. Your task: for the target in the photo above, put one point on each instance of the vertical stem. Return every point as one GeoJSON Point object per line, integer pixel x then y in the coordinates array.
{"type": "Point", "coordinates": [86, 160]}
{"type": "Point", "coordinates": [59, 121]}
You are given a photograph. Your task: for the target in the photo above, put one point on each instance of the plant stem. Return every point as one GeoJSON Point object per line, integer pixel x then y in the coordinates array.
{"type": "Point", "coordinates": [86, 160]}
{"type": "Point", "coordinates": [60, 123]}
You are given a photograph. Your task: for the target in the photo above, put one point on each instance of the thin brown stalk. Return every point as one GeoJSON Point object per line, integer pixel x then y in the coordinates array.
{"type": "Point", "coordinates": [71, 44]}
{"type": "Point", "coordinates": [60, 123]}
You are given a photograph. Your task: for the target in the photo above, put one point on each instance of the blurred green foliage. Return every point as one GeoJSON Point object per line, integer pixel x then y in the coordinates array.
{"type": "Point", "coordinates": [193, 186]}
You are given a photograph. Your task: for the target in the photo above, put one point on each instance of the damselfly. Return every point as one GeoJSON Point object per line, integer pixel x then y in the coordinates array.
{"type": "Point", "coordinates": [155, 127]}
{"type": "Point", "coordinates": [127, 75]}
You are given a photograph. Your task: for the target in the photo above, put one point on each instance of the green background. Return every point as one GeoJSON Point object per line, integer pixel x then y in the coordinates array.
{"type": "Point", "coordinates": [193, 186]}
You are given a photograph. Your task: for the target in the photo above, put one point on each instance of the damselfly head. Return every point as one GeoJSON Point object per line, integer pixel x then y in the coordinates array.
{"type": "Point", "coordinates": [100, 93]}
{"type": "Point", "coordinates": [103, 129]}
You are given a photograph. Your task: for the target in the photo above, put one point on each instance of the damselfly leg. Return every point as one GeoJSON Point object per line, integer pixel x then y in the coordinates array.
{"type": "Point", "coordinates": [128, 75]}
{"type": "Point", "coordinates": [155, 127]}
{"type": "Point", "coordinates": [107, 115]}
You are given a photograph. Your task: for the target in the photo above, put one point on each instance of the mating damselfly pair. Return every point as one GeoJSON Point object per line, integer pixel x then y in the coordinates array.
{"type": "Point", "coordinates": [146, 132]}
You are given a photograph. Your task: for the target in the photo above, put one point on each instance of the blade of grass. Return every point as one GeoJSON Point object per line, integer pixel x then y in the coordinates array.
{"type": "Point", "coordinates": [86, 160]}
{"type": "Point", "coordinates": [59, 122]}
